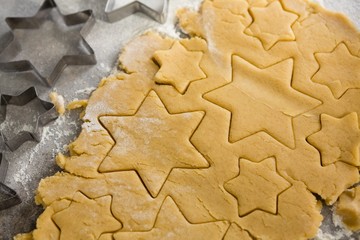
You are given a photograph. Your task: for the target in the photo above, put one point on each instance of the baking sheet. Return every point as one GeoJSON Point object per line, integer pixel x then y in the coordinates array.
{"type": "Point", "coordinates": [32, 161]}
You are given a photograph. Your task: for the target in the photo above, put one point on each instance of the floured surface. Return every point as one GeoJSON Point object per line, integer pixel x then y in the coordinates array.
{"type": "Point", "coordinates": [248, 115]}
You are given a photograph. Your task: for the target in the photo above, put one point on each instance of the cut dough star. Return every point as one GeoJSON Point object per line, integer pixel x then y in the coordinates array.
{"type": "Point", "coordinates": [152, 142]}
{"type": "Point", "coordinates": [257, 186]}
{"type": "Point", "coordinates": [179, 67]}
{"type": "Point", "coordinates": [271, 24]}
{"type": "Point", "coordinates": [262, 100]}
{"type": "Point", "coordinates": [339, 70]}
{"type": "Point", "coordinates": [172, 225]}
{"type": "Point", "coordinates": [86, 218]}
{"type": "Point", "coordinates": [338, 139]}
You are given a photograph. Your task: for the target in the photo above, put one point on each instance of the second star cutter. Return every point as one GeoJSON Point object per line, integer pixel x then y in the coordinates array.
{"type": "Point", "coordinates": [119, 9]}
{"type": "Point", "coordinates": [8, 197]}
{"type": "Point", "coordinates": [23, 98]}
{"type": "Point", "coordinates": [12, 46]}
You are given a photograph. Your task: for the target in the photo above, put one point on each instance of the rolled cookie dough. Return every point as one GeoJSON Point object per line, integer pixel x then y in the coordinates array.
{"type": "Point", "coordinates": [227, 134]}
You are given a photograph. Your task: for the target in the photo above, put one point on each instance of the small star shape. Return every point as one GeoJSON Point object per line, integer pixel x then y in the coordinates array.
{"type": "Point", "coordinates": [257, 186]}
{"type": "Point", "coordinates": [262, 100]}
{"type": "Point", "coordinates": [338, 139]}
{"type": "Point", "coordinates": [271, 24]}
{"type": "Point", "coordinates": [172, 225]}
{"type": "Point", "coordinates": [339, 70]}
{"type": "Point", "coordinates": [179, 67]}
{"type": "Point", "coordinates": [86, 218]}
{"type": "Point", "coordinates": [152, 142]}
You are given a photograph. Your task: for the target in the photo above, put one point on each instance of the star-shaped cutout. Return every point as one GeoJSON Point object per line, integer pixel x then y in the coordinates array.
{"type": "Point", "coordinates": [338, 139]}
{"type": "Point", "coordinates": [257, 186]}
{"type": "Point", "coordinates": [119, 9]}
{"type": "Point", "coordinates": [86, 218]}
{"type": "Point", "coordinates": [172, 225]}
{"type": "Point", "coordinates": [51, 36]}
{"type": "Point", "coordinates": [179, 67]}
{"type": "Point", "coordinates": [339, 70]}
{"type": "Point", "coordinates": [271, 24]}
{"type": "Point", "coordinates": [262, 100]}
{"type": "Point", "coordinates": [152, 142]}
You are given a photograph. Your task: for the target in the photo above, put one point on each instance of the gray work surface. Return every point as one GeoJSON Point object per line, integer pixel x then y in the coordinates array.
{"type": "Point", "coordinates": [33, 161]}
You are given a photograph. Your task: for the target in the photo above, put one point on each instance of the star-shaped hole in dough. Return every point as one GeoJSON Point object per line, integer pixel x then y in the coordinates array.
{"type": "Point", "coordinates": [339, 70]}
{"type": "Point", "coordinates": [257, 186]}
{"type": "Point", "coordinates": [152, 142]}
{"type": "Point", "coordinates": [86, 218]}
{"type": "Point", "coordinates": [271, 24]}
{"type": "Point", "coordinates": [338, 139]}
{"type": "Point", "coordinates": [262, 100]}
{"type": "Point", "coordinates": [172, 225]}
{"type": "Point", "coordinates": [179, 67]}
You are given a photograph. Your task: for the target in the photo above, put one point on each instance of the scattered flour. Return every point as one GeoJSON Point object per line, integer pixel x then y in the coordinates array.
{"type": "Point", "coordinates": [54, 132]}
{"type": "Point", "coordinates": [169, 27]}
{"type": "Point", "coordinates": [85, 91]}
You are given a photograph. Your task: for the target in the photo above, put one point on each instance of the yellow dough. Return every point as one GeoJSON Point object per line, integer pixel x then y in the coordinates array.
{"type": "Point", "coordinates": [228, 134]}
{"type": "Point", "coordinates": [268, 186]}
{"type": "Point", "coordinates": [171, 72]}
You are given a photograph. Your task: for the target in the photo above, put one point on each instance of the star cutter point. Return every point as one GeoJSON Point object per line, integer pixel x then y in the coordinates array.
{"type": "Point", "coordinates": [22, 99]}
{"type": "Point", "coordinates": [8, 197]}
{"type": "Point", "coordinates": [12, 47]}
{"type": "Point", "coordinates": [119, 9]}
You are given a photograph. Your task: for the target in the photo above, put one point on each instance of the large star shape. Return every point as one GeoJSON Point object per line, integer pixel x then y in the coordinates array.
{"type": "Point", "coordinates": [262, 100]}
{"type": "Point", "coordinates": [86, 218]}
{"type": "Point", "coordinates": [339, 70]}
{"type": "Point", "coordinates": [152, 142]}
{"type": "Point", "coordinates": [179, 67]}
{"type": "Point", "coordinates": [272, 24]}
{"type": "Point", "coordinates": [119, 9]}
{"type": "Point", "coordinates": [172, 225]}
{"type": "Point", "coordinates": [338, 139]}
{"type": "Point", "coordinates": [257, 186]}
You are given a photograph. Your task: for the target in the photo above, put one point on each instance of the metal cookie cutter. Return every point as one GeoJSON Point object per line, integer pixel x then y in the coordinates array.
{"type": "Point", "coordinates": [119, 9]}
{"type": "Point", "coordinates": [12, 46]}
{"type": "Point", "coordinates": [8, 197]}
{"type": "Point", "coordinates": [22, 99]}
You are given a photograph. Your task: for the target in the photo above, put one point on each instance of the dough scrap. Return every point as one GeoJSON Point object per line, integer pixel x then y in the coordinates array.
{"type": "Point", "coordinates": [264, 96]}
{"type": "Point", "coordinates": [348, 208]}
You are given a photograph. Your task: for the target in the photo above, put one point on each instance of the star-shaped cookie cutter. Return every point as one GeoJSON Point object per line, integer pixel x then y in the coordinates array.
{"type": "Point", "coordinates": [8, 197]}
{"type": "Point", "coordinates": [12, 46]}
{"type": "Point", "coordinates": [22, 99]}
{"type": "Point", "coordinates": [119, 9]}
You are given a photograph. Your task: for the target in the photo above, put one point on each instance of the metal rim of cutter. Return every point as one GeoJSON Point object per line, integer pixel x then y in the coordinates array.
{"type": "Point", "coordinates": [12, 47]}
{"type": "Point", "coordinates": [156, 9]}
{"type": "Point", "coordinates": [22, 99]}
{"type": "Point", "coordinates": [8, 197]}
